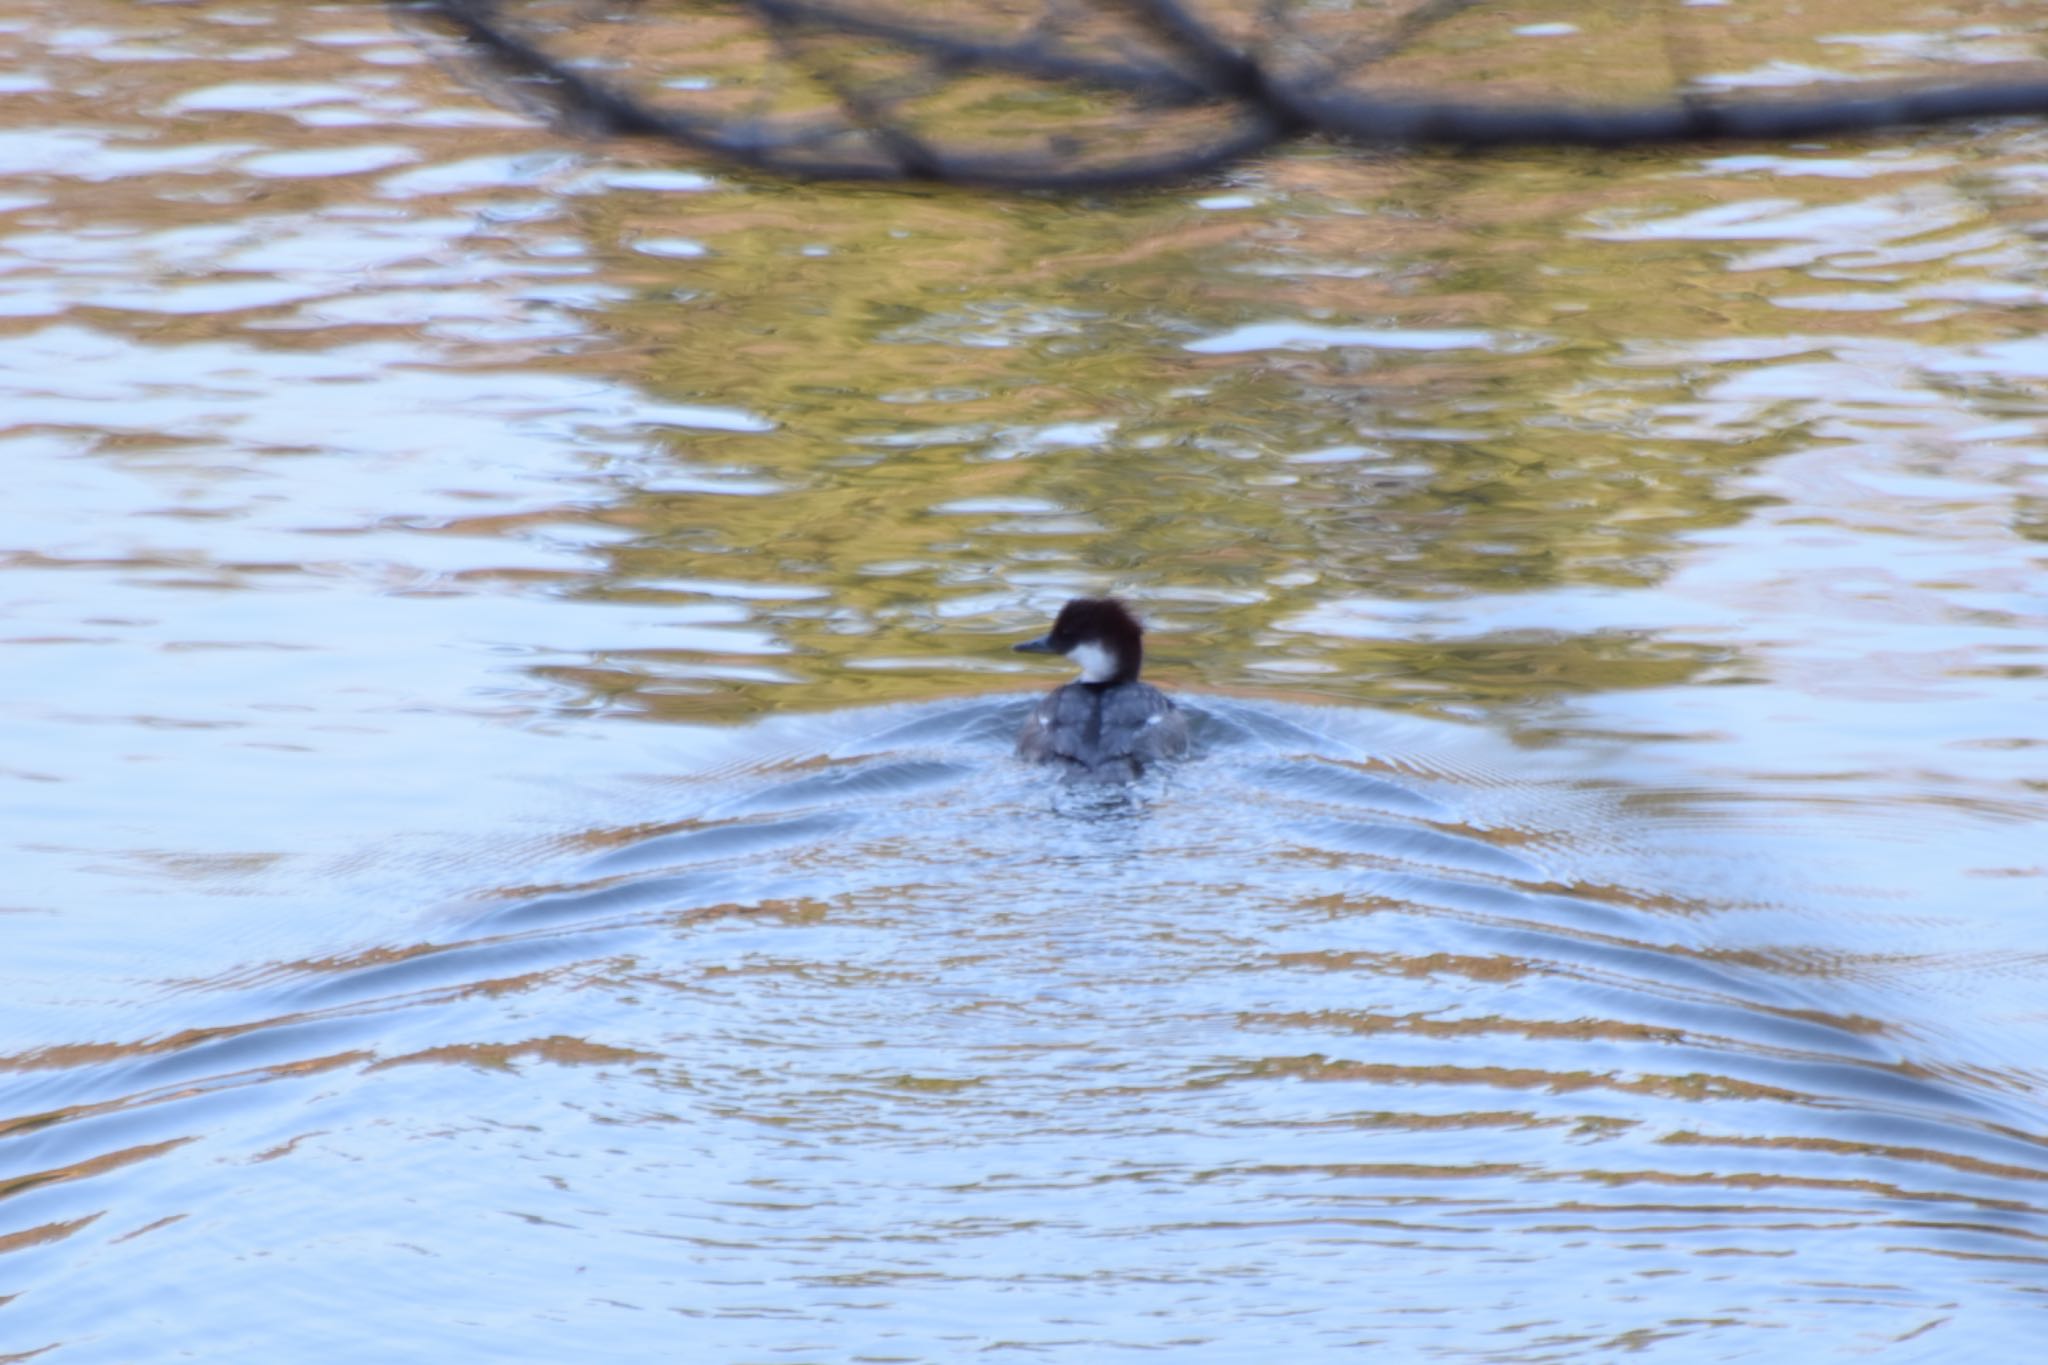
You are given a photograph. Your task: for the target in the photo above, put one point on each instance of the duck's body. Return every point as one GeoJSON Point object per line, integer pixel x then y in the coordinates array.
{"type": "Point", "coordinates": [1108, 726]}
{"type": "Point", "coordinates": [1112, 733]}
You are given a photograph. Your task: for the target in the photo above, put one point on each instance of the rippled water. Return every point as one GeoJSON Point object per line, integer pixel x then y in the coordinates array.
{"type": "Point", "coordinates": [510, 845]}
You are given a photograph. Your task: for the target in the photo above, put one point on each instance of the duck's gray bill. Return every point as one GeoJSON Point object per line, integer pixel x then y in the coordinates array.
{"type": "Point", "coordinates": [1042, 645]}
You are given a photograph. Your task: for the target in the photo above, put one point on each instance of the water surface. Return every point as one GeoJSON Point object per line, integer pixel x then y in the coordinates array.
{"type": "Point", "coordinates": [510, 843]}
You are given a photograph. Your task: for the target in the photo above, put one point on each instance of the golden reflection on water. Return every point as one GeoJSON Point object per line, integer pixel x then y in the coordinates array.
{"type": "Point", "coordinates": [1062, 448]}
{"type": "Point", "coordinates": [374, 452]}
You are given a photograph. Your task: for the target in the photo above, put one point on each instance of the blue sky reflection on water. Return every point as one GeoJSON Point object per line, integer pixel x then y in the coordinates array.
{"type": "Point", "coordinates": [510, 842]}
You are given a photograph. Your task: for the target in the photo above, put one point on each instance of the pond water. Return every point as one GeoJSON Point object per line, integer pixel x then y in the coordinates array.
{"type": "Point", "coordinates": [510, 844]}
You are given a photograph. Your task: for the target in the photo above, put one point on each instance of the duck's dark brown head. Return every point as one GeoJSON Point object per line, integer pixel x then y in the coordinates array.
{"type": "Point", "coordinates": [1099, 634]}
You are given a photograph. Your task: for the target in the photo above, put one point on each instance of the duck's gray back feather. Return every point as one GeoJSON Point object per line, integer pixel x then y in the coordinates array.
{"type": "Point", "coordinates": [1111, 732]}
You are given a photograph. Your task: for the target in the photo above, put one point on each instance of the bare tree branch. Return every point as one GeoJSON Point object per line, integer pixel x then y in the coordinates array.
{"type": "Point", "coordinates": [1456, 123]}
{"type": "Point", "coordinates": [1193, 98]}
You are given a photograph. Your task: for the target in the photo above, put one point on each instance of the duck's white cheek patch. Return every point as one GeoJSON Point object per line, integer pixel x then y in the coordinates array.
{"type": "Point", "coordinates": [1098, 663]}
